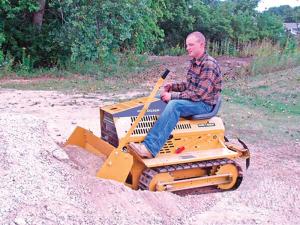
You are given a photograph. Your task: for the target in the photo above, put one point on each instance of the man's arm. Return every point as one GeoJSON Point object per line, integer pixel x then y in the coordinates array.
{"type": "Point", "coordinates": [165, 95]}
{"type": "Point", "coordinates": [178, 87]}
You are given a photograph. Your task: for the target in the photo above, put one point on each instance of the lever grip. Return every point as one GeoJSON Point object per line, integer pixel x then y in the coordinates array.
{"type": "Point", "coordinates": [165, 74]}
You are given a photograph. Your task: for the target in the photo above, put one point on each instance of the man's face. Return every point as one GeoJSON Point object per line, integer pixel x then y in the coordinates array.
{"type": "Point", "coordinates": [194, 47]}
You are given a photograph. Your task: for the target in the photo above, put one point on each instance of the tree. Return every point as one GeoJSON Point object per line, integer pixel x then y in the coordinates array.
{"type": "Point", "coordinates": [286, 12]}
{"type": "Point", "coordinates": [219, 27]}
{"type": "Point", "coordinates": [296, 15]}
{"type": "Point", "coordinates": [38, 15]}
{"type": "Point", "coordinates": [15, 16]}
{"type": "Point", "coordinates": [54, 32]}
{"type": "Point", "coordinates": [270, 26]}
{"type": "Point", "coordinates": [99, 28]}
{"type": "Point", "coordinates": [245, 6]}
{"type": "Point", "coordinates": [176, 21]}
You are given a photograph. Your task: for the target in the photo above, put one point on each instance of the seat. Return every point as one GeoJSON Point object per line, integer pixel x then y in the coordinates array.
{"type": "Point", "coordinates": [210, 114]}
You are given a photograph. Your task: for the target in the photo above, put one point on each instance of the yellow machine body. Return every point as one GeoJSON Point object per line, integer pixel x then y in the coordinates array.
{"type": "Point", "coordinates": [195, 155]}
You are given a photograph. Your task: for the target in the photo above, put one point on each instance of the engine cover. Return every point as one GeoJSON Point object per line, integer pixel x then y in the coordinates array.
{"type": "Point", "coordinates": [117, 119]}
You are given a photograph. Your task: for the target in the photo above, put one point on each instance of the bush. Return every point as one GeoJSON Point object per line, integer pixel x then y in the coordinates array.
{"type": "Point", "coordinates": [173, 51]}
{"type": "Point", "coordinates": [269, 57]}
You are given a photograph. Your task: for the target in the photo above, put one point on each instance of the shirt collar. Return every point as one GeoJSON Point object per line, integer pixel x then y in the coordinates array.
{"type": "Point", "coordinates": [199, 60]}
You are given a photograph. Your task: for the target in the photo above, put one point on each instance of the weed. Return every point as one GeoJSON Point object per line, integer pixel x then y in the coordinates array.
{"type": "Point", "coordinates": [122, 65]}
{"type": "Point", "coordinates": [174, 51]}
{"type": "Point", "coordinates": [89, 76]}
{"type": "Point", "coordinates": [275, 62]}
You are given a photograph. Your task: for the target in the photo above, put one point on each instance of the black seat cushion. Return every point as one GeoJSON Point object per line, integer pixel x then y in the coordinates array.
{"type": "Point", "coordinates": [211, 114]}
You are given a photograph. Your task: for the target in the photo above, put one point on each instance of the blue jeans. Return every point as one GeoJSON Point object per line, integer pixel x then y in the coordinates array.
{"type": "Point", "coordinates": [168, 119]}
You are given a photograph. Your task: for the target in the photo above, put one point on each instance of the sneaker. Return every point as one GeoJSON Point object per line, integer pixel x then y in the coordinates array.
{"type": "Point", "coordinates": [141, 150]}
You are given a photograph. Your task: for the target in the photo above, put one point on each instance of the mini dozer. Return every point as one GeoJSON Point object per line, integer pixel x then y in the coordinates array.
{"type": "Point", "coordinates": [197, 153]}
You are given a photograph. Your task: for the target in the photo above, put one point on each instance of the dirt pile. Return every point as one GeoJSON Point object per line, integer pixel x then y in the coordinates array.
{"type": "Point", "coordinates": [234, 67]}
{"type": "Point", "coordinates": [231, 67]}
{"type": "Point", "coordinates": [42, 184]}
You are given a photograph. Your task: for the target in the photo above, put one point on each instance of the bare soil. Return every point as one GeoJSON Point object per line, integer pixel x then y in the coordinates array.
{"type": "Point", "coordinates": [41, 183]}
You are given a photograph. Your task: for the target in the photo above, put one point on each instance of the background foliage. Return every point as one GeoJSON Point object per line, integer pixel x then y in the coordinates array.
{"type": "Point", "coordinates": [77, 31]}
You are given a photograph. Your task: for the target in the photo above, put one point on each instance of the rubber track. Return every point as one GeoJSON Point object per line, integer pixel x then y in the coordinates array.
{"type": "Point", "coordinates": [148, 174]}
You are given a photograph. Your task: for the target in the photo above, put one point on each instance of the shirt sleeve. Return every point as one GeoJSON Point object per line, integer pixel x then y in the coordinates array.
{"type": "Point", "coordinates": [179, 86]}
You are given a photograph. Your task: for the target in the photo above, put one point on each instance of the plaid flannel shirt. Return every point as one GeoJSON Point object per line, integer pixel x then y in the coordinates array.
{"type": "Point", "coordinates": [204, 82]}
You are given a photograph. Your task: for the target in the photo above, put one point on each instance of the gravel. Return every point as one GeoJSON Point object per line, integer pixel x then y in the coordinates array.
{"type": "Point", "coordinates": [40, 183]}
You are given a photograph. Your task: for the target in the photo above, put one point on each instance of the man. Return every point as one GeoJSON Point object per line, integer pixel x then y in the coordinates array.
{"type": "Point", "coordinates": [197, 95]}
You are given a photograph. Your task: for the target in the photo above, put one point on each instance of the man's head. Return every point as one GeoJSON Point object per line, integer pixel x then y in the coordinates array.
{"type": "Point", "coordinates": [195, 44]}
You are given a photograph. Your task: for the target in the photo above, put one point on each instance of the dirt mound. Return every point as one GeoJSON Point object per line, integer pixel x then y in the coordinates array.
{"type": "Point", "coordinates": [231, 67]}
{"type": "Point", "coordinates": [41, 184]}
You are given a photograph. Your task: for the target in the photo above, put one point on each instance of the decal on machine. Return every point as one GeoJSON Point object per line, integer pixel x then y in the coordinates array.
{"type": "Point", "coordinates": [206, 124]}
{"type": "Point", "coordinates": [155, 108]}
{"type": "Point", "coordinates": [150, 110]}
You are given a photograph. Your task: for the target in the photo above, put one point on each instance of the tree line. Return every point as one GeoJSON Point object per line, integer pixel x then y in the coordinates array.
{"type": "Point", "coordinates": [287, 13]}
{"type": "Point", "coordinates": [47, 33]}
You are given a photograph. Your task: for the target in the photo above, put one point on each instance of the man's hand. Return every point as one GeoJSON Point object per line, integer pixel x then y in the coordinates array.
{"type": "Point", "coordinates": [165, 96]}
{"type": "Point", "coordinates": [168, 87]}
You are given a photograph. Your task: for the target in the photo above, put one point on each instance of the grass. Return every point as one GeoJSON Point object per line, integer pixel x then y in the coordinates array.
{"type": "Point", "coordinates": [87, 77]}
{"type": "Point", "coordinates": [275, 62]}
{"type": "Point", "coordinates": [77, 84]}
{"type": "Point", "coordinates": [256, 125]}
{"type": "Point", "coordinates": [266, 107]}
{"type": "Point", "coordinates": [174, 51]}
{"type": "Point", "coordinates": [275, 92]}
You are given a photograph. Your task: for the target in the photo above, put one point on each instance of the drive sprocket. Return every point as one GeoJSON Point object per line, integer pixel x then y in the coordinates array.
{"type": "Point", "coordinates": [236, 175]}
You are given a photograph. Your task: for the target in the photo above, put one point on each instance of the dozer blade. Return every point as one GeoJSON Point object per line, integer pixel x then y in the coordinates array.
{"type": "Point", "coordinates": [118, 163]}
{"type": "Point", "coordinates": [87, 140]}
{"type": "Point", "coordinates": [117, 166]}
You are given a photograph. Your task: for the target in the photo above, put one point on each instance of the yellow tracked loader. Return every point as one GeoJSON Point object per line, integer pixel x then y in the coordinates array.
{"type": "Point", "coordinates": [197, 153]}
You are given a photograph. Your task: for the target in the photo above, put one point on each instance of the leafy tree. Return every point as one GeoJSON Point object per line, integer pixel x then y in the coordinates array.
{"type": "Point", "coordinates": [79, 29]}
{"type": "Point", "coordinates": [284, 11]}
{"type": "Point", "coordinates": [55, 32]}
{"type": "Point", "coordinates": [246, 6]}
{"type": "Point", "coordinates": [219, 27]}
{"type": "Point", "coordinates": [201, 14]}
{"type": "Point", "coordinates": [296, 14]}
{"type": "Point", "coordinates": [270, 26]}
{"type": "Point", "coordinates": [99, 28]}
{"type": "Point", "coordinates": [176, 21]}
{"type": "Point", "coordinates": [14, 17]}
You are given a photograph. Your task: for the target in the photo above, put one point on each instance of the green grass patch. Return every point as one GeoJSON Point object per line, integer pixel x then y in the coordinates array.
{"type": "Point", "coordinates": [274, 92]}
{"type": "Point", "coordinates": [121, 64]}
{"type": "Point", "coordinates": [86, 76]}
{"type": "Point", "coordinates": [275, 62]}
{"type": "Point", "coordinates": [263, 108]}
{"type": "Point", "coordinates": [173, 51]}
{"type": "Point", "coordinates": [81, 84]}
{"type": "Point", "coordinates": [256, 124]}
{"type": "Point", "coordinates": [271, 105]}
